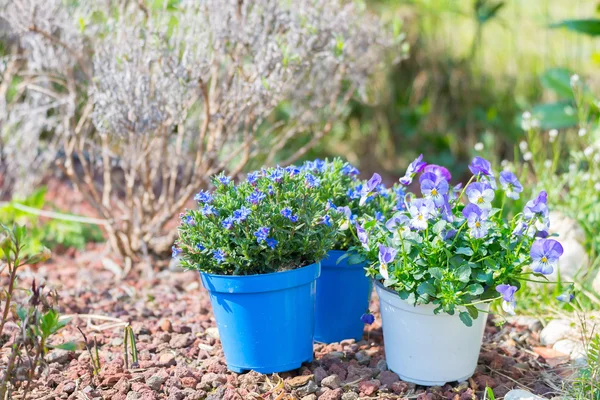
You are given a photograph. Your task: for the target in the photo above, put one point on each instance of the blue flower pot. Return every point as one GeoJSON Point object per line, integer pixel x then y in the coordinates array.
{"type": "Point", "coordinates": [266, 322]}
{"type": "Point", "coordinates": [343, 293]}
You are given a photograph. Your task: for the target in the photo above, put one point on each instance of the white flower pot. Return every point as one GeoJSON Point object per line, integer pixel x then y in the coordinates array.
{"type": "Point", "coordinates": [425, 348]}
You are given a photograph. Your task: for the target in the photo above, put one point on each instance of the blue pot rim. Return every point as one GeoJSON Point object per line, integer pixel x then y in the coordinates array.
{"type": "Point", "coordinates": [330, 261]}
{"type": "Point", "coordinates": [261, 283]}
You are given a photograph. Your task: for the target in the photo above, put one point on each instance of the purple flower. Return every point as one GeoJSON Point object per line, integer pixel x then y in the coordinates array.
{"type": "Point", "coordinates": [189, 220]}
{"type": "Point", "coordinates": [347, 213]}
{"type": "Point", "coordinates": [476, 220]}
{"type": "Point", "coordinates": [271, 242]}
{"type": "Point", "coordinates": [369, 187]}
{"type": "Point", "coordinates": [270, 190]}
{"type": "Point", "coordinates": [566, 297]}
{"type": "Point", "coordinates": [349, 169]}
{"type": "Point", "coordinates": [379, 216]}
{"type": "Point", "coordinates": [386, 256]}
{"type": "Point", "coordinates": [203, 196]}
{"type": "Point", "coordinates": [292, 170]}
{"type": "Point", "coordinates": [480, 166]}
{"type": "Point", "coordinates": [252, 178]}
{"type": "Point", "coordinates": [312, 181]}
{"type": "Point", "coordinates": [208, 210]}
{"type": "Point", "coordinates": [326, 220]}
{"type": "Point", "coordinates": [396, 221]}
{"type": "Point", "coordinates": [446, 209]}
{"type": "Point", "coordinates": [507, 292]}
{"type": "Point", "coordinates": [200, 247]}
{"type": "Point", "coordinates": [276, 174]}
{"type": "Point", "coordinates": [256, 197]}
{"type": "Point", "coordinates": [225, 180]}
{"type": "Point", "coordinates": [434, 187]}
{"type": "Point", "coordinates": [175, 251]}
{"type": "Point", "coordinates": [511, 185]}
{"type": "Point", "coordinates": [413, 168]}
{"type": "Point", "coordinates": [480, 194]}
{"type": "Point", "coordinates": [363, 236]}
{"type": "Point", "coordinates": [367, 318]}
{"type": "Point", "coordinates": [421, 211]}
{"type": "Point", "coordinates": [241, 214]}
{"type": "Point", "coordinates": [439, 171]}
{"type": "Point", "coordinates": [261, 234]}
{"type": "Point", "coordinates": [219, 255]}
{"type": "Point", "coordinates": [449, 234]}
{"type": "Point", "coordinates": [330, 205]}
{"type": "Point", "coordinates": [228, 223]}
{"type": "Point", "coordinates": [287, 213]}
{"type": "Point", "coordinates": [544, 255]}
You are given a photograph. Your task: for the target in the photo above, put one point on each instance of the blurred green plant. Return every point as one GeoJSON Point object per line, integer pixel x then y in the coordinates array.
{"type": "Point", "coordinates": [54, 232]}
{"type": "Point", "coordinates": [36, 319]}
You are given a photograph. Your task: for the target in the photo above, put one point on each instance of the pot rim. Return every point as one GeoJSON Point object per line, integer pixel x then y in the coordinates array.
{"type": "Point", "coordinates": [261, 283]}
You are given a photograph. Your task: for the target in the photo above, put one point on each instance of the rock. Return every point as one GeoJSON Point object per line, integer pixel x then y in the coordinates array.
{"type": "Point", "coordinates": [331, 382]}
{"type": "Point", "coordinates": [155, 382]}
{"type": "Point", "coordinates": [213, 332]}
{"type": "Point", "coordinates": [368, 388]}
{"type": "Point", "coordinates": [59, 356]}
{"type": "Point", "coordinates": [556, 330]}
{"type": "Point", "coordinates": [571, 236]}
{"type": "Point", "coordinates": [217, 394]}
{"type": "Point", "coordinates": [211, 380]}
{"type": "Point", "coordinates": [69, 387]}
{"type": "Point", "coordinates": [179, 341]}
{"type": "Point", "coordinates": [519, 394]}
{"type": "Point", "coordinates": [350, 396]}
{"type": "Point", "coordinates": [298, 381]}
{"type": "Point", "coordinates": [335, 394]}
{"type": "Point", "coordinates": [165, 325]}
{"type": "Point", "coordinates": [134, 396]}
{"type": "Point", "coordinates": [307, 389]}
{"type": "Point", "coordinates": [311, 396]}
{"type": "Point", "coordinates": [533, 324]}
{"type": "Point", "coordinates": [382, 365]}
{"type": "Point", "coordinates": [320, 374]}
{"type": "Point", "coordinates": [388, 378]}
{"type": "Point", "coordinates": [167, 359]}
{"type": "Point", "coordinates": [363, 358]}
{"type": "Point", "coordinates": [573, 348]}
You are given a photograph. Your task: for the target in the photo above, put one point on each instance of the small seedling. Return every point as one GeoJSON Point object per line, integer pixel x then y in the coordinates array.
{"type": "Point", "coordinates": [129, 343]}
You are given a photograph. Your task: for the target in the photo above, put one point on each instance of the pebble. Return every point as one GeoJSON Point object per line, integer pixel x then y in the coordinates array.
{"type": "Point", "coordinates": [519, 394]}
{"type": "Point", "coordinates": [167, 359]}
{"type": "Point", "coordinates": [573, 348]}
{"type": "Point", "coordinates": [155, 382]}
{"type": "Point", "coordinates": [213, 332]}
{"type": "Point", "coordinates": [307, 389]}
{"type": "Point", "coordinates": [69, 387]}
{"type": "Point", "coordinates": [59, 356]}
{"type": "Point", "coordinates": [382, 365]}
{"type": "Point", "coordinates": [311, 396]}
{"type": "Point", "coordinates": [299, 380]}
{"type": "Point", "coordinates": [331, 382]}
{"type": "Point", "coordinates": [388, 378]}
{"type": "Point", "coordinates": [363, 358]}
{"type": "Point", "coordinates": [181, 340]}
{"type": "Point", "coordinates": [556, 330]}
{"type": "Point", "coordinates": [350, 396]}
{"type": "Point", "coordinates": [369, 387]}
{"type": "Point", "coordinates": [335, 394]}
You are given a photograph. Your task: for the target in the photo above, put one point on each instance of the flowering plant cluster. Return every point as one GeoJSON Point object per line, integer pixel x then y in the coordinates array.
{"type": "Point", "coordinates": [348, 198]}
{"type": "Point", "coordinates": [273, 221]}
{"type": "Point", "coordinates": [453, 247]}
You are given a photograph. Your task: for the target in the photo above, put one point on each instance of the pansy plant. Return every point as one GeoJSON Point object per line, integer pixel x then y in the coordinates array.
{"type": "Point", "coordinates": [454, 247]}
{"type": "Point", "coordinates": [273, 221]}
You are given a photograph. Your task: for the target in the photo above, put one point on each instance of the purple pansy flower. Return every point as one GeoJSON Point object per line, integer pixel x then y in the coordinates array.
{"type": "Point", "coordinates": [219, 255]}
{"type": "Point", "coordinates": [438, 171]}
{"type": "Point", "coordinates": [480, 194]}
{"type": "Point", "coordinates": [347, 213]}
{"type": "Point", "coordinates": [449, 234]}
{"type": "Point", "coordinates": [261, 234]}
{"type": "Point", "coordinates": [203, 196]}
{"type": "Point", "coordinates": [386, 256]}
{"type": "Point", "coordinates": [228, 222]}
{"type": "Point", "coordinates": [566, 297]}
{"type": "Point", "coordinates": [413, 168]}
{"type": "Point", "coordinates": [256, 197]}
{"type": "Point", "coordinates": [480, 166]}
{"type": "Point", "coordinates": [363, 236]}
{"type": "Point", "coordinates": [252, 178]}
{"type": "Point", "coordinates": [511, 185]}
{"type": "Point", "coordinates": [544, 255]}
{"type": "Point", "coordinates": [397, 221]}
{"type": "Point", "coordinates": [508, 296]}
{"type": "Point", "coordinates": [434, 187]}
{"type": "Point", "coordinates": [175, 251]}
{"type": "Point", "coordinates": [446, 209]}
{"type": "Point", "coordinates": [367, 318]}
{"type": "Point", "coordinates": [537, 210]}
{"type": "Point", "coordinates": [476, 220]}
{"type": "Point", "coordinates": [421, 211]}
{"type": "Point", "coordinates": [271, 242]}
{"type": "Point", "coordinates": [312, 181]}
{"type": "Point", "coordinates": [369, 187]}
{"type": "Point", "coordinates": [208, 210]}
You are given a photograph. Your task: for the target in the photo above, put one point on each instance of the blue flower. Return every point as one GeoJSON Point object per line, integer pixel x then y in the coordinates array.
{"type": "Point", "coordinates": [396, 221]}
{"type": "Point", "coordinates": [175, 251]}
{"type": "Point", "coordinates": [256, 197]}
{"type": "Point", "coordinates": [355, 194]}
{"type": "Point", "coordinates": [271, 242]}
{"type": "Point", "coordinates": [439, 171]}
{"type": "Point", "coordinates": [379, 216]}
{"type": "Point", "coordinates": [349, 169]}
{"type": "Point", "coordinates": [566, 297]}
{"type": "Point", "coordinates": [261, 234]}
{"type": "Point", "coordinates": [544, 255]}
{"type": "Point", "coordinates": [434, 187]}
{"type": "Point", "coordinates": [480, 194]}
{"type": "Point", "coordinates": [480, 166]}
{"type": "Point", "coordinates": [241, 214]}
{"type": "Point", "coordinates": [413, 168]}
{"type": "Point", "coordinates": [189, 220]}
{"type": "Point", "coordinates": [208, 210]}
{"type": "Point", "coordinates": [511, 185]}
{"type": "Point", "coordinates": [421, 211]}
{"type": "Point", "coordinates": [367, 318]}
{"type": "Point", "coordinates": [252, 178]}
{"type": "Point", "coordinates": [371, 185]}
{"type": "Point", "coordinates": [508, 297]}
{"type": "Point", "coordinates": [271, 190]}
{"type": "Point", "coordinates": [330, 205]}
{"type": "Point", "coordinates": [225, 180]}
{"type": "Point", "coordinates": [476, 220]}
{"type": "Point", "coordinates": [386, 256]}
{"type": "Point", "coordinates": [326, 220]}
{"type": "Point", "coordinates": [382, 191]}
{"type": "Point", "coordinates": [200, 247]}
{"type": "Point", "coordinates": [312, 181]}
{"type": "Point", "coordinates": [276, 175]}
{"type": "Point", "coordinates": [203, 196]}
{"type": "Point", "coordinates": [292, 170]}
{"type": "Point", "coordinates": [228, 223]}
{"type": "Point", "coordinates": [219, 255]}
{"type": "Point", "coordinates": [363, 236]}
{"type": "Point", "coordinates": [536, 212]}
{"type": "Point", "coordinates": [287, 212]}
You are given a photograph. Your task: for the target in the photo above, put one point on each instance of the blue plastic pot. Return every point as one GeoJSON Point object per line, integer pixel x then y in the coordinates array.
{"type": "Point", "coordinates": [266, 322]}
{"type": "Point", "coordinates": [343, 293]}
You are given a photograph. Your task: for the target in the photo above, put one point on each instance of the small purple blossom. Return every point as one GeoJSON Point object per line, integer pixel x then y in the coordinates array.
{"type": "Point", "coordinates": [292, 170]}
{"type": "Point", "coordinates": [476, 220]}
{"type": "Point", "coordinates": [252, 178]}
{"type": "Point", "coordinates": [349, 169]}
{"type": "Point", "coordinates": [326, 220]}
{"type": "Point", "coordinates": [219, 256]}
{"type": "Point", "coordinates": [330, 205]}
{"type": "Point", "coordinates": [189, 220]}
{"type": "Point", "coordinates": [511, 185]}
{"type": "Point", "coordinates": [225, 180]}
{"type": "Point", "coordinates": [363, 236]}
{"type": "Point", "coordinates": [208, 210]}
{"type": "Point", "coordinates": [369, 187]}
{"type": "Point", "coordinates": [262, 234]}
{"type": "Point", "coordinates": [480, 166]}
{"type": "Point", "coordinates": [438, 170]}
{"type": "Point", "coordinates": [312, 181]}
{"type": "Point", "coordinates": [544, 255]}
{"type": "Point", "coordinates": [421, 211]}
{"type": "Point", "coordinates": [287, 213]}
{"type": "Point", "coordinates": [379, 216]}
{"type": "Point", "coordinates": [367, 318]}
{"type": "Point", "coordinates": [480, 194]}
{"type": "Point", "coordinates": [256, 197]}
{"type": "Point", "coordinates": [175, 251]}
{"type": "Point", "coordinates": [413, 168]}
{"type": "Point", "coordinates": [200, 247]}
{"type": "Point", "coordinates": [271, 242]}
{"type": "Point", "coordinates": [241, 214]}
{"type": "Point", "coordinates": [386, 254]}
{"type": "Point", "coordinates": [434, 187]}
{"type": "Point", "coordinates": [204, 197]}
{"type": "Point", "coordinates": [277, 174]}
{"type": "Point", "coordinates": [566, 297]}
{"type": "Point", "coordinates": [382, 191]}
{"type": "Point", "coordinates": [270, 190]}
{"type": "Point", "coordinates": [228, 222]}
{"type": "Point", "coordinates": [507, 292]}
{"type": "Point", "coordinates": [397, 221]}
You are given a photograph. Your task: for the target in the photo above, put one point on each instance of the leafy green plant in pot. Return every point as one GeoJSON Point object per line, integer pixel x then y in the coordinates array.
{"type": "Point", "coordinates": [338, 315]}
{"type": "Point", "coordinates": [440, 262]}
{"type": "Point", "coordinates": [257, 245]}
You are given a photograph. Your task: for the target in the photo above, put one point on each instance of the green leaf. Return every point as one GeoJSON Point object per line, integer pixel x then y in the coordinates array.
{"type": "Point", "coordinates": [490, 393]}
{"type": "Point", "coordinates": [475, 289]}
{"type": "Point", "coordinates": [436, 272]}
{"type": "Point", "coordinates": [467, 251]}
{"type": "Point", "coordinates": [466, 318]}
{"type": "Point", "coordinates": [486, 11]}
{"type": "Point", "coordinates": [559, 81]}
{"type": "Point", "coordinates": [439, 226]}
{"type": "Point", "coordinates": [70, 346]}
{"type": "Point", "coordinates": [473, 312]}
{"type": "Point", "coordinates": [426, 288]}
{"type": "Point", "coordinates": [554, 115]}
{"type": "Point", "coordinates": [586, 26]}
{"type": "Point", "coordinates": [463, 273]}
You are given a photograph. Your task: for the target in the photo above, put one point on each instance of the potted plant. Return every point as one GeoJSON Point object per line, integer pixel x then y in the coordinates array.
{"type": "Point", "coordinates": [439, 263]}
{"type": "Point", "coordinates": [343, 289]}
{"type": "Point", "coordinates": [257, 246]}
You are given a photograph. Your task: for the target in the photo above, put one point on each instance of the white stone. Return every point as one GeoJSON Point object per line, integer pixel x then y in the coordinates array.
{"type": "Point", "coordinates": [571, 236]}
{"type": "Point", "coordinates": [573, 348]}
{"type": "Point", "coordinates": [518, 394]}
{"type": "Point", "coordinates": [213, 332]}
{"type": "Point", "coordinates": [556, 330]}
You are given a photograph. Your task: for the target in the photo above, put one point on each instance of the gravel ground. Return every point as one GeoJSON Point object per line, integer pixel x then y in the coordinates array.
{"type": "Point", "coordinates": [180, 356]}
